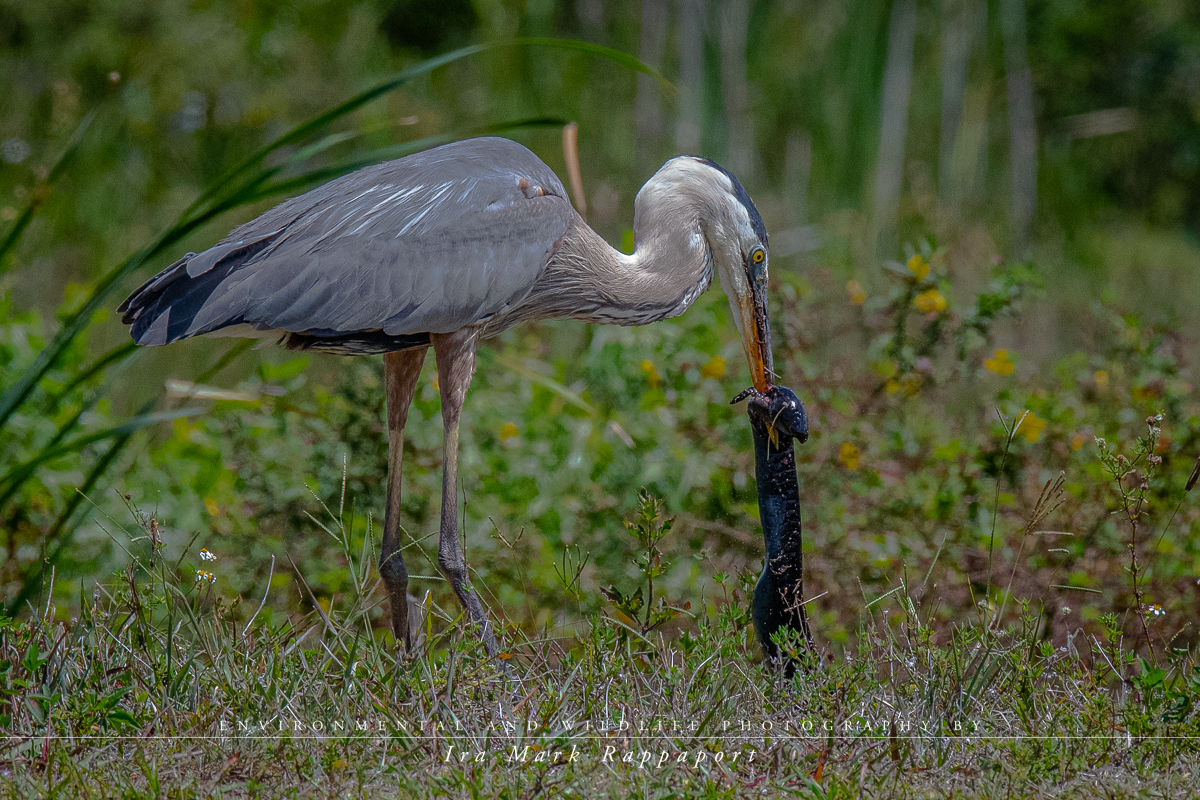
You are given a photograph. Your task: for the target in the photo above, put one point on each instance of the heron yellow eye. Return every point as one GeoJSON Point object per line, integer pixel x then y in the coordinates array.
{"type": "Point", "coordinates": [758, 256]}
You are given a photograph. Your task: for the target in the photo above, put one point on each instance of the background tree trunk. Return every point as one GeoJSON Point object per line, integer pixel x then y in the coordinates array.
{"type": "Point", "coordinates": [897, 80]}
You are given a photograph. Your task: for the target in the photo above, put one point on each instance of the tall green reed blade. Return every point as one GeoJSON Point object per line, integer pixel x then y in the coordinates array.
{"type": "Point", "coordinates": [62, 531]}
{"type": "Point", "coordinates": [42, 192]}
{"type": "Point", "coordinates": [379, 90]}
{"type": "Point", "coordinates": [322, 120]}
{"type": "Point", "coordinates": [22, 471]}
{"type": "Point", "coordinates": [375, 156]}
{"type": "Point", "coordinates": [117, 355]}
{"type": "Point", "coordinates": [114, 356]}
{"type": "Point", "coordinates": [31, 584]}
{"type": "Point", "coordinates": [67, 523]}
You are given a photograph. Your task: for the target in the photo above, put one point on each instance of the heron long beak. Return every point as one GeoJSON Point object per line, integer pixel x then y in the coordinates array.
{"type": "Point", "coordinates": [755, 328]}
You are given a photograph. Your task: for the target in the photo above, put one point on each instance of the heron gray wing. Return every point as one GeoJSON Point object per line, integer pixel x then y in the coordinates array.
{"type": "Point", "coordinates": [429, 243]}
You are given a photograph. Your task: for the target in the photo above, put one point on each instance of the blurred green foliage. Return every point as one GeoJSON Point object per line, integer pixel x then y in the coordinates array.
{"type": "Point", "coordinates": [902, 372]}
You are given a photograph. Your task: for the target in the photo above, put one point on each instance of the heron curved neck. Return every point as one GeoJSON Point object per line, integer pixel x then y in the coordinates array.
{"type": "Point", "coordinates": [670, 267]}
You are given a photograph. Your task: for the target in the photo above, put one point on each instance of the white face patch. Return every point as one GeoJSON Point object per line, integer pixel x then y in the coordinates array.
{"type": "Point", "coordinates": [700, 178]}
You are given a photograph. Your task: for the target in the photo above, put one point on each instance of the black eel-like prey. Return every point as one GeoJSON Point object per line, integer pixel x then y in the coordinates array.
{"type": "Point", "coordinates": [777, 417]}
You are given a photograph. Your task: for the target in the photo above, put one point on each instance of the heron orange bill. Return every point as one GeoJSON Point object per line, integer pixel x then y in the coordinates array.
{"type": "Point", "coordinates": [756, 339]}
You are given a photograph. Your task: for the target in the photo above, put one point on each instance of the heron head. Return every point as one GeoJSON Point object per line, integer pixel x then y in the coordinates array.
{"type": "Point", "coordinates": [737, 239]}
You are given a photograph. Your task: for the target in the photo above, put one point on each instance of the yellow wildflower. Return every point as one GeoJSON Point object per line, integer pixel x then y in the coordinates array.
{"type": "Point", "coordinates": [930, 301]}
{"type": "Point", "coordinates": [892, 386]}
{"type": "Point", "coordinates": [1101, 378]}
{"type": "Point", "coordinates": [1144, 392]}
{"type": "Point", "coordinates": [999, 363]}
{"type": "Point", "coordinates": [714, 368]}
{"type": "Point", "coordinates": [885, 368]}
{"type": "Point", "coordinates": [508, 430]}
{"type": "Point", "coordinates": [848, 455]}
{"type": "Point", "coordinates": [651, 372]}
{"type": "Point", "coordinates": [1031, 427]}
{"type": "Point", "coordinates": [918, 267]}
{"type": "Point", "coordinates": [1078, 441]}
{"type": "Point", "coordinates": [858, 295]}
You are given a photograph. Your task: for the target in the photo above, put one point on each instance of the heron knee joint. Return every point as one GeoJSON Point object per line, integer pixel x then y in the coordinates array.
{"type": "Point", "coordinates": [392, 569]}
{"type": "Point", "coordinates": [455, 571]}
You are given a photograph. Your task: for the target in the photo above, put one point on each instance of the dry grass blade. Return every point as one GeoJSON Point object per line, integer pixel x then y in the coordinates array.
{"type": "Point", "coordinates": [263, 602]}
{"type": "Point", "coordinates": [1048, 501]}
{"type": "Point", "coordinates": [574, 176]}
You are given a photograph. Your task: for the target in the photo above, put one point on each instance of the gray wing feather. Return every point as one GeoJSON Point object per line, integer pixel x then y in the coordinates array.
{"type": "Point", "coordinates": [429, 243]}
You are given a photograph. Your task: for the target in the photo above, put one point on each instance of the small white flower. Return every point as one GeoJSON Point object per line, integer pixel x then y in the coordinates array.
{"type": "Point", "coordinates": [1066, 610]}
{"type": "Point", "coordinates": [207, 555]}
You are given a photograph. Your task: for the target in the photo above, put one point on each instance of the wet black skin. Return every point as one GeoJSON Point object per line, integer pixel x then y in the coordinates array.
{"type": "Point", "coordinates": [780, 588]}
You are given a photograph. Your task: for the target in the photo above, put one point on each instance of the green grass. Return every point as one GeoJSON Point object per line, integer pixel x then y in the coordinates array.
{"type": "Point", "coordinates": [161, 688]}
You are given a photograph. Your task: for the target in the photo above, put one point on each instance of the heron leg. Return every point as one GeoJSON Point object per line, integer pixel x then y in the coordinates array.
{"type": "Point", "coordinates": [456, 363]}
{"type": "Point", "coordinates": [401, 371]}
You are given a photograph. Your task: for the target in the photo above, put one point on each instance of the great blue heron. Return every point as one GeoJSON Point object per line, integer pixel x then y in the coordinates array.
{"type": "Point", "coordinates": [444, 248]}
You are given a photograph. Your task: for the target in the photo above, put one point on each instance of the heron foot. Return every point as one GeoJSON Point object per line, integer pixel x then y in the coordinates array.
{"type": "Point", "coordinates": [408, 649]}
{"type": "Point", "coordinates": [456, 573]}
{"type": "Point", "coordinates": [395, 581]}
